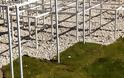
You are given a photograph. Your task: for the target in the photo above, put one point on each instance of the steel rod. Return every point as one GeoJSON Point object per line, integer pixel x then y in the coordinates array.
{"type": "Point", "coordinates": [43, 8]}
{"type": "Point", "coordinates": [3, 15]}
{"type": "Point", "coordinates": [89, 8]}
{"type": "Point", "coordinates": [36, 36]}
{"type": "Point", "coordinates": [90, 18]}
{"type": "Point", "coordinates": [51, 15]}
{"type": "Point", "coordinates": [100, 13]}
{"type": "Point", "coordinates": [84, 21]}
{"type": "Point", "coordinates": [29, 26]}
{"type": "Point", "coordinates": [77, 9]}
{"type": "Point", "coordinates": [36, 23]}
{"type": "Point", "coordinates": [10, 43]}
{"type": "Point", "coordinates": [115, 24]}
{"type": "Point", "coordinates": [26, 3]}
{"type": "Point", "coordinates": [12, 29]}
{"type": "Point", "coordinates": [104, 9]}
{"type": "Point", "coordinates": [57, 32]}
{"type": "Point", "coordinates": [19, 42]}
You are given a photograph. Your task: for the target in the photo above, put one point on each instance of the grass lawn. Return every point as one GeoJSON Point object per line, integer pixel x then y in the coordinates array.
{"type": "Point", "coordinates": [79, 61]}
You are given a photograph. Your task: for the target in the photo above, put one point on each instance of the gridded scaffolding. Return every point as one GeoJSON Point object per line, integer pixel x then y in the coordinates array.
{"type": "Point", "coordinates": [37, 15]}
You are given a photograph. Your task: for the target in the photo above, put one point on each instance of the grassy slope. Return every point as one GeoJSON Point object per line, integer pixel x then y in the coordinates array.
{"type": "Point", "coordinates": [79, 61]}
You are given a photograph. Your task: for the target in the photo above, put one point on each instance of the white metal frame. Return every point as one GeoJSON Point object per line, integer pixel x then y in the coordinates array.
{"type": "Point", "coordinates": [19, 14]}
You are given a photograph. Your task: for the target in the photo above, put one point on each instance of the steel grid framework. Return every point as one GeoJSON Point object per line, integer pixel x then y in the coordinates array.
{"type": "Point", "coordinates": [20, 8]}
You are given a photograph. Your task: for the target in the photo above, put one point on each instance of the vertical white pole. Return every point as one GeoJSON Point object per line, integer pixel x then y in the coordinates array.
{"type": "Point", "coordinates": [3, 16]}
{"type": "Point", "coordinates": [57, 33]}
{"type": "Point", "coordinates": [90, 18]}
{"type": "Point", "coordinates": [115, 24]}
{"type": "Point", "coordinates": [36, 23]}
{"type": "Point", "coordinates": [19, 42]}
{"type": "Point", "coordinates": [29, 26]}
{"type": "Point", "coordinates": [10, 44]}
{"type": "Point", "coordinates": [12, 29]}
{"type": "Point", "coordinates": [100, 13]}
{"type": "Point", "coordinates": [3, 11]}
{"type": "Point", "coordinates": [52, 28]}
{"type": "Point", "coordinates": [43, 11]}
{"type": "Point", "coordinates": [36, 37]}
{"type": "Point", "coordinates": [77, 19]}
{"type": "Point", "coordinates": [84, 21]}
{"type": "Point", "coordinates": [37, 8]}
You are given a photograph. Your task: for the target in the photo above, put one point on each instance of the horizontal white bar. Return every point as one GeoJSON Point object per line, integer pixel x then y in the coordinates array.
{"type": "Point", "coordinates": [89, 8]}
{"type": "Point", "coordinates": [3, 5]}
{"type": "Point", "coordinates": [104, 9]}
{"type": "Point", "coordinates": [110, 4]}
{"type": "Point", "coordinates": [43, 14]}
{"type": "Point", "coordinates": [13, 14]}
{"type": "Point", "coordinates": [67, 6]}
{"type": "Point", "coordinates": [26, 3]}
{"type": "Point", "coordinates": [119, 8]}
{"type": "Point", "coordinates": [93, 7]}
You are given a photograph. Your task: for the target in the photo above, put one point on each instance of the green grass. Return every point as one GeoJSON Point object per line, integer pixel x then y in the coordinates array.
{"type": "Point", "coordinates": [79, 61]}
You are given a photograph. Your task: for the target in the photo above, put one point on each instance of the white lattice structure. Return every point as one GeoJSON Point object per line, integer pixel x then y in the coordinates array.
{"type": "Point", "coordinates": [45, 13]}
